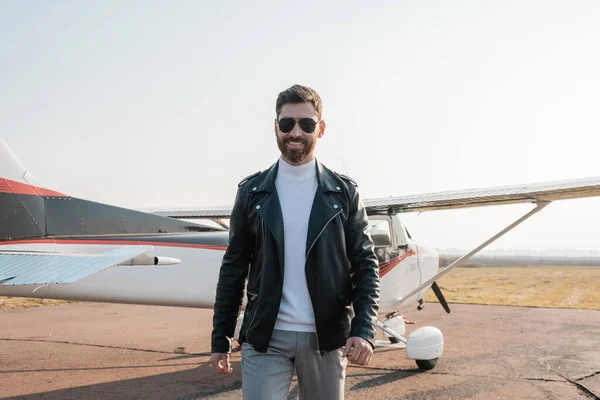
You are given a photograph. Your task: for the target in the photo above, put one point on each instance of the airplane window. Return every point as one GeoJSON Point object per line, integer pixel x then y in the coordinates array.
{"type": "Point", "coordinates": [380, 232]}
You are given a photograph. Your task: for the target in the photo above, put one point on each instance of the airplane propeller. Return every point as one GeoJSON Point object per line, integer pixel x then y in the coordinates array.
{"type": "Point", "coordinates": [440, 296]}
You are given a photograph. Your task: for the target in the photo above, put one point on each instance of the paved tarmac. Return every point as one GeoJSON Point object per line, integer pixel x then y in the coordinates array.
{"type": "Point", "coordinates": [108, 351]}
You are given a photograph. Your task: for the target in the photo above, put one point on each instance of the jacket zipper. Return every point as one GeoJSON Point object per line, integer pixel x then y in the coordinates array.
{"type": "Point", "coordinates": [252, 321]}
{"type": "Point", "coordinates": [254, 296]}
{"type": "Point", "coordinates": [306, 259]}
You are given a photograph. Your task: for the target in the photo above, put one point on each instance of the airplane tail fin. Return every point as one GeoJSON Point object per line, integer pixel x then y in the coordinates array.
{"type": "Point", "coordinates": [22, 210]}
{"type": "Point", "coordinates": [14, 175]}
{"type": "Point", "coordinates": [30, 210]}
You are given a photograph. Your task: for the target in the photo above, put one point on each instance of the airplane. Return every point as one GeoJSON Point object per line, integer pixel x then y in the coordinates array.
{"type": "Point", "coordinates": [57, 246]}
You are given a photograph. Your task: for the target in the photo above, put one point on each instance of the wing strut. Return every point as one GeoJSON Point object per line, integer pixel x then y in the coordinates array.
{"type": "Point", "coordinates": [539, 207]}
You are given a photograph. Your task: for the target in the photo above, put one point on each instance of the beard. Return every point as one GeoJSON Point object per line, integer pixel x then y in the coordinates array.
{"type": "Point", "coordinates": [297, 155]}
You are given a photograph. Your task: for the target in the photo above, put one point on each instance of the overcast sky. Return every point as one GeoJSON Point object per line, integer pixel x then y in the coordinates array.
{"type": "Point", "coordinates": [148, 104]}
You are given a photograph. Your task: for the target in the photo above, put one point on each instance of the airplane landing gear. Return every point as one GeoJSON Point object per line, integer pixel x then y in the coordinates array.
{"type": "Point", "coordinates": [393, 327]}
{"type": "Point", "coordinates": [425, 345]}
{"type": "Point", "coordinates": [426, 365]}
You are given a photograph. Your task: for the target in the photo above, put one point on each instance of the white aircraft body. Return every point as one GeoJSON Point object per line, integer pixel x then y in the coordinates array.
{"type": "Point", "coordinates": [57, 246]}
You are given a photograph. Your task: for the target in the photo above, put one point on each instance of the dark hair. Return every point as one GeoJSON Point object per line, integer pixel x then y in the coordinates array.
{"type": "Point", "coordinates": [299, 94]}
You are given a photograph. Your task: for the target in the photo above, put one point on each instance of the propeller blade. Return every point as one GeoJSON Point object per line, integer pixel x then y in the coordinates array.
{"type": "Point", "coordinates": [440, 296]}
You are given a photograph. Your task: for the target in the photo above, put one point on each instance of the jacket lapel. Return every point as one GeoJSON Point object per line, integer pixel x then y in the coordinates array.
{"type": "Point", "coordinates": [325, 206]}
{"type": "Point", "coordinates": [268, 207]}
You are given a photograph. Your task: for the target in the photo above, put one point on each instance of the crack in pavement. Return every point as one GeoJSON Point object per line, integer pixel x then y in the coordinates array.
{"type": "Point", "coordinates": [106, 346]}
{"type": "Point", "coordinates": [563, 379]}
{"type": "Point", "coordinates": [579, 386]}
{"type": "Point", "coordinates": [18, 371]}
{"type": "Point", "coordinates": [587, 376]}
{"type": "Point", "coordinates": [582, 388]}
{"type": "Point", "coordinates": [544, 361]}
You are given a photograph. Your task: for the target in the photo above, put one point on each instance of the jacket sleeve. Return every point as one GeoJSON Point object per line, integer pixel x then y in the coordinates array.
{"type": "Point", "coordinates": [232, 276]}
{"type": "Point", "coordinates": [365, 271]}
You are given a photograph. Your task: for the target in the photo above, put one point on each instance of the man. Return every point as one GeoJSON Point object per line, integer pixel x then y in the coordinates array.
{"type": "Point", "coordinates": [298, 234]}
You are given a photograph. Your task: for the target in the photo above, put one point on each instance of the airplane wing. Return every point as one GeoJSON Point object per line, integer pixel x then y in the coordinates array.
{"type": "Point", "coordinates": [208, 212]}
{"type": "Point", "coordinates": [524, 193]}
{"type": "Point", "coordinates": [541, 194]}
{"type": "Point", "coordinates": [45, 268]}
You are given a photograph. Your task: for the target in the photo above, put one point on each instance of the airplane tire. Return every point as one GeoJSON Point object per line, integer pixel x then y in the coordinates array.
{"type": "Point", "coordinates": [394, 340]}
{"type": "Point", "coordinates": [426, 365]}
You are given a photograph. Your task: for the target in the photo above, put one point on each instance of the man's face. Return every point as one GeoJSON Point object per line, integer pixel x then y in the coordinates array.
{"type": "Point", "coordinates": [297, 147]}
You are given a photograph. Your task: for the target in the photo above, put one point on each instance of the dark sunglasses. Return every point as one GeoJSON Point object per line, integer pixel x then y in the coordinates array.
{"type": "Point", "coordinates": [286, 125]}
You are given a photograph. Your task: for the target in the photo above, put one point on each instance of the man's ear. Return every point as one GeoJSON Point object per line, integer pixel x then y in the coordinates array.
{"type": "Point", "coordinates": [322, 126]}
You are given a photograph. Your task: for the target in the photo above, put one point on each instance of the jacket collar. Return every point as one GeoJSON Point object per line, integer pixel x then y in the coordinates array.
{"type": "Point", "coordinates": [326, 179]}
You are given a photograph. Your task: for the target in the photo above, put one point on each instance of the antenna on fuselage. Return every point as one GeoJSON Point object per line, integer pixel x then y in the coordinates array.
{"type": "Point", "coordinates": [344, 164]}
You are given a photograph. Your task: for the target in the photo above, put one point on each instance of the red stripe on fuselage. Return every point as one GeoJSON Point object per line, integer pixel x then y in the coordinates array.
{"type": "Point", "coordinates": [8, 186]}
{"type": "Point", "coordinates": [387, 266]}
{"type": "Point", "coordinates": [116, 242]}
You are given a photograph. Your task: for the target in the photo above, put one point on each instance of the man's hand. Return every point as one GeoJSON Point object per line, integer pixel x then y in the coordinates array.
{"type": "Point", "coordinates": [217, 360]}
{"type": "Point", "coordinates": [358, 350]}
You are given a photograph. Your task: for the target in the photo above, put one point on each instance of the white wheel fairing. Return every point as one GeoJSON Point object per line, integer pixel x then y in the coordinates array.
{"type": "Point", "coordinates": [425, 343]}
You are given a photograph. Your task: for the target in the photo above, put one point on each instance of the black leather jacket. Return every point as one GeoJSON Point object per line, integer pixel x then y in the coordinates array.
{"type": "Point", "coordinates": [342, 270]}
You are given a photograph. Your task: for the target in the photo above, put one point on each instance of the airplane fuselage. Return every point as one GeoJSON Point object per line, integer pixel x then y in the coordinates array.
{"type": "Point", "coordinates": [191, 283]}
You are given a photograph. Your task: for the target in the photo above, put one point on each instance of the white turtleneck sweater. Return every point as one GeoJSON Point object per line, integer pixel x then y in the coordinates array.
{"type": "Point", "coordinates": [296, 188]}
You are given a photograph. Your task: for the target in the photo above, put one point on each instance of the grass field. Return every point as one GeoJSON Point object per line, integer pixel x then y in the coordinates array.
{"type": "Point", "coordinates": [531, 286]}
{"type": "Point", "coordinates": [23, 302]}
